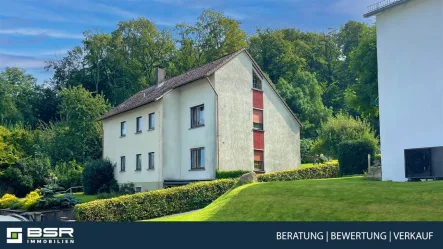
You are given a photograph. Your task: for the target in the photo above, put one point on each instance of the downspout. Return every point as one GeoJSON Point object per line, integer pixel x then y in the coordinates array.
{"type": "Point", "coordinates": [216, 122]}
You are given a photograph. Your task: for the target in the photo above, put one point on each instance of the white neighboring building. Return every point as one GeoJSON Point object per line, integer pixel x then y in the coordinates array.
{"type": "Point", "coordinates": [225, 115]}
{"type": "Point", "coordinates": [410, 80]}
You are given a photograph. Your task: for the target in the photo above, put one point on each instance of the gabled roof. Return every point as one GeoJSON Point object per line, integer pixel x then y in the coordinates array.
{"type": "Point", "coordinates": [154, 93]}
{"type": "Point", "coordinates": [382, 6]}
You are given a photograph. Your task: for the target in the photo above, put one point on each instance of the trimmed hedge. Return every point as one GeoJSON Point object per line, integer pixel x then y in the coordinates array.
{"type": "Point", "coordinates": [353, 156]}
{"type": "Point", "coordinates": [314, 172]}
{"type": "Point", "coordinates": [152, 204]}
{"type": "Point", "coordinates": [230, 174]}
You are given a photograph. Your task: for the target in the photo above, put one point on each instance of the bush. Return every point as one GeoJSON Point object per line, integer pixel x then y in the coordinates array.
{"type": "Point", "coordinates": [353, 156]}
{"type": "Point", "coordinates": [127, 188]}
{"type": "Point", "coordinates": [48, 199]}
{"type": "Point", "coordinates": [314, 172]}
{"type": "Point", "coordinates": [107, 195]}
{"type": "Point", "coordinates": [230, 174]}
{"type": "Point", "coordinates": [66, 201]}
{"type": "Point", "coordinates": [7, 200]}
{"type": "Point", "coordinates": [15, 181]}
{"type": "Point", "coordinates": [377, 157]}
{"type": "Point", "coordinates": [68, 174]}
{"type": "Point", "coordinates": [98, 175]}
{"type": "Point", "coordinates": [31, 201]}
{"type": "Point", "coordinates": [38, 168]}
{"type": "Point", "coordinates": [306, 146]}
{"type": "Point", "coordinates": [339, 129]}
{"type": "Point", "coordinates": [152, 204]}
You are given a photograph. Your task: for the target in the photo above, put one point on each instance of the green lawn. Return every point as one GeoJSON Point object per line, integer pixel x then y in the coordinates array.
{"type": "Point", "coordinates": [85, 198]}
{"type": "Point", "coordinates": [343, 199]}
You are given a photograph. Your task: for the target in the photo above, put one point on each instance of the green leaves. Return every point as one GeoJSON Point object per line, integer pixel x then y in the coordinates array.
{"type": "Point", "coordinates": [342, 128]}
{"type": "Point", "coordinates": [364, 64]}
{"type": "Point", "coordinates": [315, 172]}
{"type": "Point", "coordinates": [152, 204]}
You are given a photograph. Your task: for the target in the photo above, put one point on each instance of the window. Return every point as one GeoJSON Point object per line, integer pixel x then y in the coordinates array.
{"type": "Point", "coordinates": [256, 81]}
{"type": "Point", "coordinates": [198, 158]}
{"type": "Point", "coordinates": [138, 189]}
{"type": "Point", "coordinates": [123, 128]}
{"type": "Point", "coordinates": [138, 165]}
{"type": "Point", "coordinates": [258, 119]}
{"type": "Point", "coordinates": [258, 160]}
{"type": "Point", "coordinates": [139, 125]}
{"type": "Point", "coordinates": [152, 121]}
{"type": "Point", "coordinates": [122, 163]}
{"type": "Point", "coordinates": [197, 116]}
{"type": "Point", "coordinates": [151, 160]}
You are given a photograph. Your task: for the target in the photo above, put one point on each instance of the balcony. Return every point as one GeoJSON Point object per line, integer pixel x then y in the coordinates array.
{"type": "Point", "coordinates": [382, 5]}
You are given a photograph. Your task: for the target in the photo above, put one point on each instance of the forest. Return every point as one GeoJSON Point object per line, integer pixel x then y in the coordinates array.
{"type": "Point", "coordinates": [49, 130]}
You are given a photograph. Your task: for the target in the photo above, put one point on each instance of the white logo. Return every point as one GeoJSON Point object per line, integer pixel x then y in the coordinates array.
{"type": "Point", "coordinates": [14, 235]}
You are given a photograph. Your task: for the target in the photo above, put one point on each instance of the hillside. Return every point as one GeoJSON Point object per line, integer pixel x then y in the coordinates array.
{"type": "Point", "coordinates": [343, 199]}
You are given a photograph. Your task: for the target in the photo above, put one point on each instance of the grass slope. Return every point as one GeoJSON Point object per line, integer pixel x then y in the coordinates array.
{"type": "Point", "coordinates": [82, 197]}
{"type": "Point", "coordinates": [343, 199]}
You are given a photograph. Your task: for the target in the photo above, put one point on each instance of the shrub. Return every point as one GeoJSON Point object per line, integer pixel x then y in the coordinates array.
{"type": "Point", "coordinates": [66, 201]}
{"type": "Point", "coordinates": [230, 174]}
{"type": "Point", "coordinates": [68, 174]}
{"type": "Point", "coordinates": [48, 199]}
{"type": "Point", "coordinates": [339, 129]}
{"type": "Point", "coordinates": [98, 174]}
{"type": "Point", "coordinates": [377, 157]}
{"type": "Point", "coordinates": [353, 156]}
{"type": "Point", "coordinates": [15, 181]}
{"type": "Point", "coordinates": [306, 146]}
{"type": "Point", "coordinates": [7, 200]}
{"type": "Point", "coordinates": [31, 201]}
{"type": "Point", "coordinates": [107, 195]}
{"type": "Point", "coordinates": [153, 204]}
{"type": "Point", "coordinates": [127, 188]}
{"type": "Point", "coordinates": [314, 172]}
{"type": "Point", "coordinates": [38, 168]}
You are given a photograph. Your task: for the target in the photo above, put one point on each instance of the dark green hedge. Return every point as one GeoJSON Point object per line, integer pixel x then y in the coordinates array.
{"type": "Point", "coordinates": [315, 172]}
{"type": "Point", "coordinates": [353, 156]}
{"type": "Point", "coordinates": [98, 175]}
{"type": "Point", "coordinates": [230, 174]}
{"type": "Point", "coordinates": [152, 204]}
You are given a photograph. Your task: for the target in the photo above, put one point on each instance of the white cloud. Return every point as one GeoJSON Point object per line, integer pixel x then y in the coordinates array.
{"type": "Point", "coordinates": [236, 15]}
{"type": "Point", "coordinates": [8, 60]}
{"type": "Point", "coordinates": [40, 32]}
{"type": "Point", "coordinates": [54, 52]}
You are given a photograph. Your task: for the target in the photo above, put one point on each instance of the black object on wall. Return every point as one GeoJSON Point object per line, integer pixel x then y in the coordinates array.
{"type": "Point", "coordinates": [424, 163]}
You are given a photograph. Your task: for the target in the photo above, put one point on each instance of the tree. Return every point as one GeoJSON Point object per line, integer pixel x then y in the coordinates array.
{"type": "Point", "coordinates": [362, 96]}
{"type": "Point", "coordinates": [118, 64]}
{"type": "Point", "coordinates": [16, 95]}
{"type": "Point", "coordinates": [340, 129]}
{"type": "Point", "coordinates": [304, 96]}
{"type": "Point", "coordinates": [213, 35]}
{"type": "Point", "coordinates": [78, 132]}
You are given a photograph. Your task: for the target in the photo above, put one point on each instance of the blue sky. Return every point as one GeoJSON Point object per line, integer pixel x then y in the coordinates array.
{"type": "Point", "coordinates": [34, 31]}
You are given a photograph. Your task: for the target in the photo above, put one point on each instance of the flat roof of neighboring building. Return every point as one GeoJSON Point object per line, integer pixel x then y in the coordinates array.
{"type": "Point", "coordinates": [382, 6]}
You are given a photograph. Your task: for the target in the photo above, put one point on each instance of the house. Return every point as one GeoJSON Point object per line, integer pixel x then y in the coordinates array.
{"type": "Point", "coordinates": [225, 115]}
{"type": "Point", "coordinates": [410, 81]}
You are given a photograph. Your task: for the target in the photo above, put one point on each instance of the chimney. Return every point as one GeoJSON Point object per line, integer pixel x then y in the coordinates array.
{"type": "Point", "coordinates": [160, 76]}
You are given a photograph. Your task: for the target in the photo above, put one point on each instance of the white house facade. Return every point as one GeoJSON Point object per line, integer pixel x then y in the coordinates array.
{"type": "Point", "coordinates": [225, 115]}
{"type": "Point", "coordinates": [410, 81]}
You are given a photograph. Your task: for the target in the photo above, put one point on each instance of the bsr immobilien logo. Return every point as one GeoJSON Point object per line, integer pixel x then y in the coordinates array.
{"type": "Point", "coordinates": [36, 235]}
